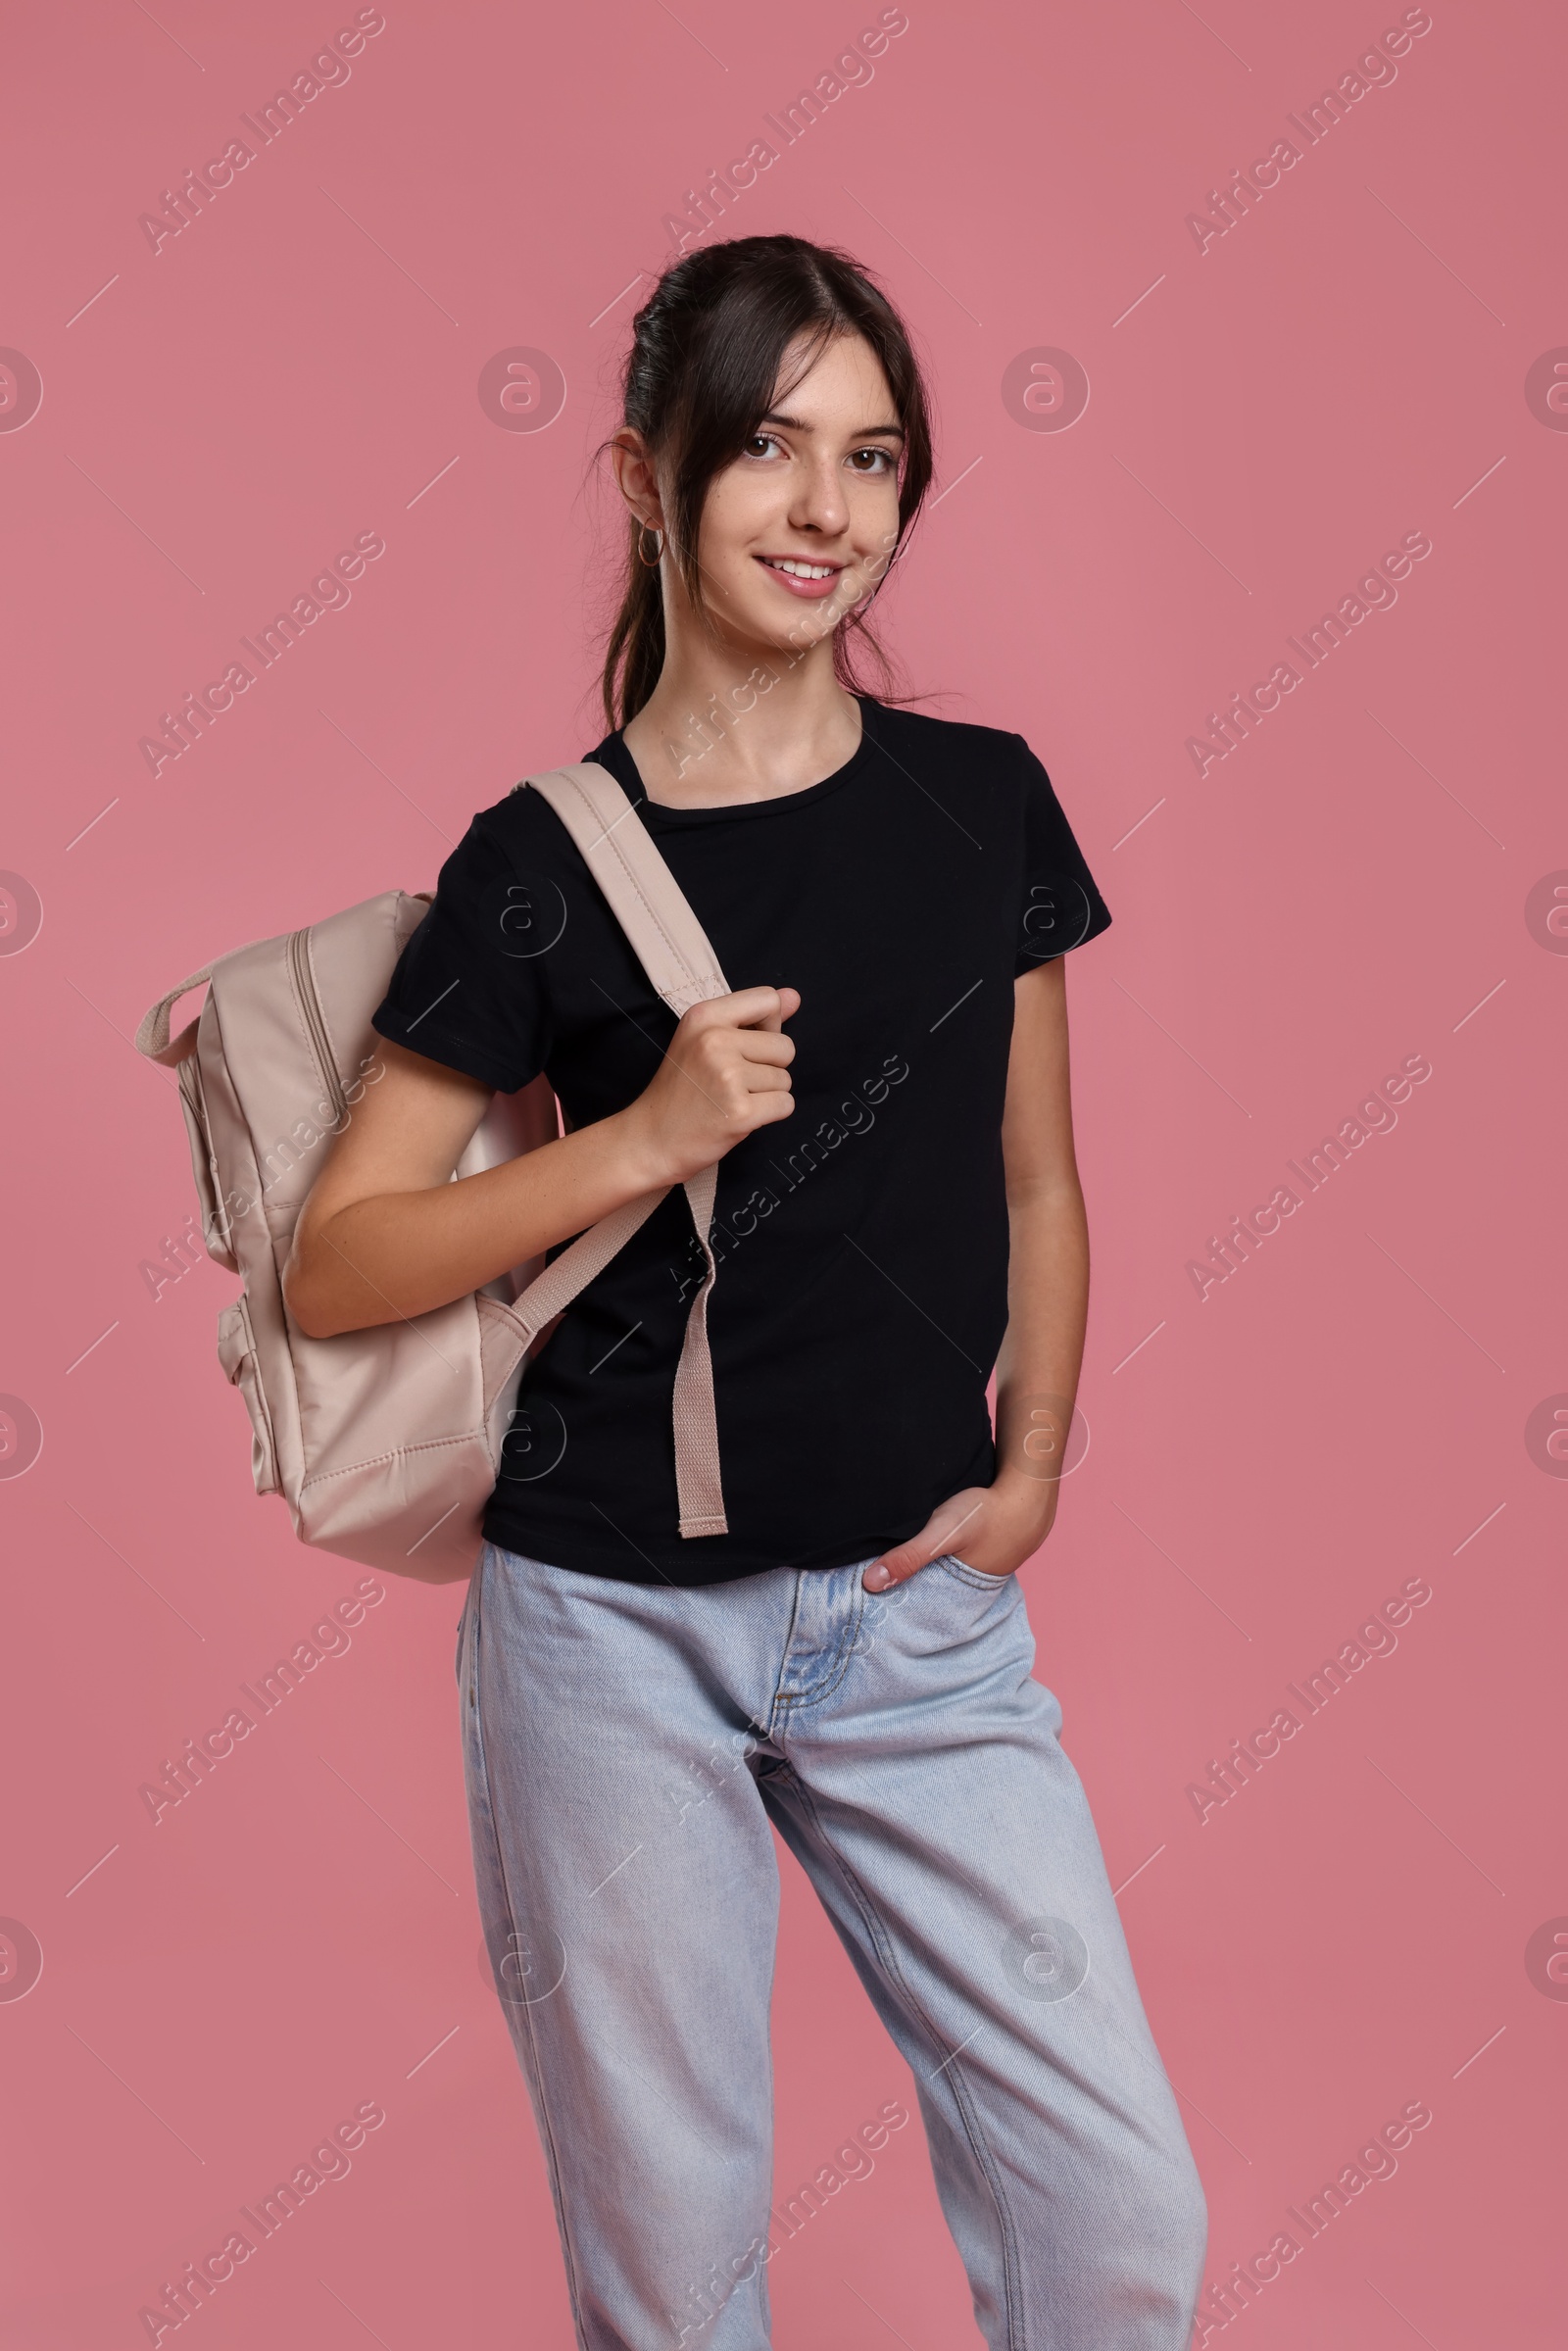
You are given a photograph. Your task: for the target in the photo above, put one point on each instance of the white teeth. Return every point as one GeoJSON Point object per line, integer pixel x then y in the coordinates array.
{"type": "Point", "coordinates": [802, 570]}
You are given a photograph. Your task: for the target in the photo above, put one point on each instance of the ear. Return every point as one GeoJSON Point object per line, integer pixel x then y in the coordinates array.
{"type": "Point", "coordinates": [635, 478]}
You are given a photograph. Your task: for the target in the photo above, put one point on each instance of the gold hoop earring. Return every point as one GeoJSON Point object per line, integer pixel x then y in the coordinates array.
{"type": "Point", "coordinates": [643, 532]}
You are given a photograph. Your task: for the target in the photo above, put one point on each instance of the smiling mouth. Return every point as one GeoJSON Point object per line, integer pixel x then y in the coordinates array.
{"type": "Point", "coordinates": [796, 566]}
{"type": "Point", "coordinates": [799, 577]}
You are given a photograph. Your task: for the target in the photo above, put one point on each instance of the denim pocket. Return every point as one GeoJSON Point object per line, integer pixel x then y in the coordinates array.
{"type": "Point", "coordinates": [952, 1565]}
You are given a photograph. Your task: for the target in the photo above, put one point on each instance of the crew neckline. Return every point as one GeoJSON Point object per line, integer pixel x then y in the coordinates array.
{"type": "Point", "coordinates": [611, 754]}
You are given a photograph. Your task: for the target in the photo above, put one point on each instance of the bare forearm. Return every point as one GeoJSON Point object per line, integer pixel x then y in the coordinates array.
{"type": "Point", "coordinates": [1047, 1305]}
{"type": "Point", "coordinates": [400, 1253]}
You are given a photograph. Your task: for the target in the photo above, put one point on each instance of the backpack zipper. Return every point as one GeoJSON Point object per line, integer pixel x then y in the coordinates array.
{"type": "Point", "coordinates": [299, 957]}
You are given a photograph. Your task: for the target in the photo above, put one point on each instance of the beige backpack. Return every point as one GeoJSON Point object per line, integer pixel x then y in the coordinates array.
{"type": "Point", "coordinates": [385, 1443]}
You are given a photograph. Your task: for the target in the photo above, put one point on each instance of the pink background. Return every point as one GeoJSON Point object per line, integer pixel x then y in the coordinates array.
{"type": "Point", "coordinates": [1350, 886]}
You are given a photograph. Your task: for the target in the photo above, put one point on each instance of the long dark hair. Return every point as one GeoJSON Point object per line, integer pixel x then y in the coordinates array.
{"type": "Point", "coordinates": [703, 367]}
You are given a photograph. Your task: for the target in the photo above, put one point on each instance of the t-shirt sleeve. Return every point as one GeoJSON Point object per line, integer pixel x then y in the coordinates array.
{"type": "Point", "coordinates": [466, 991]}
{"type": "Point", "coordinates": [1060, 905]}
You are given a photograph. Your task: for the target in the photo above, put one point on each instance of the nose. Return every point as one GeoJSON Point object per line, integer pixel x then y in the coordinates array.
{"type": "Point", "coordinates": [821, 503]}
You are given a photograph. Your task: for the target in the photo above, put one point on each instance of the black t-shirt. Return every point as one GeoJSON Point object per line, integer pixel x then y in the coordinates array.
{"type": "Point", "coordinates": [862, 1242]}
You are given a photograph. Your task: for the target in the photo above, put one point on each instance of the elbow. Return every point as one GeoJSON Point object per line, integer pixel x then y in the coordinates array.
{"type": "Point", "coordinates": [1054, 1191]}
{"type": "Point", "coordinates": [306, 1310]}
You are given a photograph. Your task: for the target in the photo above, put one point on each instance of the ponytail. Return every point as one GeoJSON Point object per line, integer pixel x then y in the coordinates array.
{"type": "Point", "coordinates": [635, 654]}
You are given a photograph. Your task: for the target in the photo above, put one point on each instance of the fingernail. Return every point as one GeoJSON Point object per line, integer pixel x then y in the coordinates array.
{"type": "Point", "coordinates": [877, 1578]}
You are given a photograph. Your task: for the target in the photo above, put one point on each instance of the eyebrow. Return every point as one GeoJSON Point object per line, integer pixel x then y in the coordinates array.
{"type": "Point", "coordinates": [867, 432]}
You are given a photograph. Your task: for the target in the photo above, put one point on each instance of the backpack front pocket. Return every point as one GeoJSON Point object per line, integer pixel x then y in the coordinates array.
{"type": "Point", "coordinates": [236, 1352]}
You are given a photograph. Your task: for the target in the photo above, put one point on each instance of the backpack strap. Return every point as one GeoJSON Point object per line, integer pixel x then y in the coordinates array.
{"type": "Point", "coordinates": [674, 951]}
{"type": "Point", "coordinates": [152, 1037]}
{"type": "Point", "coordinates": [644, 896]}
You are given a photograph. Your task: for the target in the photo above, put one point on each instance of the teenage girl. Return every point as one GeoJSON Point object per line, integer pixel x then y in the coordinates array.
{"type": "Point", "coordinates": [897, 1213]}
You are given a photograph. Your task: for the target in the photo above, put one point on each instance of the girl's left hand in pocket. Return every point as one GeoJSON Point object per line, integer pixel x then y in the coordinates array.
{"type": "Point", "coordinates": [992, 1528]}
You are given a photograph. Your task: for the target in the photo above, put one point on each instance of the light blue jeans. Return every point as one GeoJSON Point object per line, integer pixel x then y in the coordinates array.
{"type": "Point", "coordinates": [627, 1748]}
